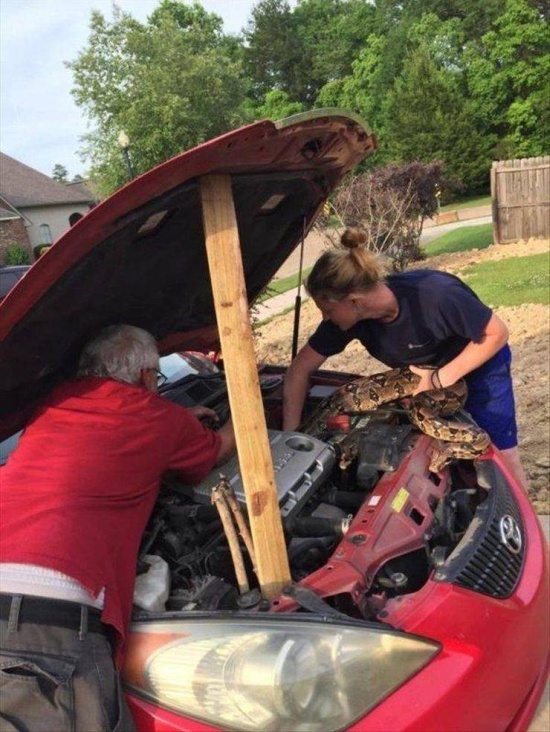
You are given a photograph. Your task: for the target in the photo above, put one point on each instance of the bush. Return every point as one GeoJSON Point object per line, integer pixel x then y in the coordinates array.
{"type": "Point", "coordinates": [40, 250]}
{"type": "Point", "coordinates": [16, 254]}
{"type": "Point", "coordinates": [390, 205]}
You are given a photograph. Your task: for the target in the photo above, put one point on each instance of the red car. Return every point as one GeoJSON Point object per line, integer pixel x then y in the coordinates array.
{"type": "Point", "coordinates": [418, 600]}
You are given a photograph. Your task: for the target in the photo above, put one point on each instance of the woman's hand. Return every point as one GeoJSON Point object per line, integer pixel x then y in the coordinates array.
{"type": "Point", "coordinates": [426, 379]}
{"type": "Point", "coordinates": [492, 339]}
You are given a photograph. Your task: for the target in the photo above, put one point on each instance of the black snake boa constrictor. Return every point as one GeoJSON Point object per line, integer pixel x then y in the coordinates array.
{"type": "Point", "coordinates": [425, 410]}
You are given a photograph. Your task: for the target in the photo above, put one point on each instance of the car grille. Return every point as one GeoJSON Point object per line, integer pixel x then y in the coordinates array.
{"type": "Point", "coordinates": [483, 561]}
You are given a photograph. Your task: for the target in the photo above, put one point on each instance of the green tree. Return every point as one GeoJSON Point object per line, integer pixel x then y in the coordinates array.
{"type": "Point", "coordinates": [276, 105]}
{"type": "Point", "coordinates": [444, 39]}
{"type": "Point", "coordinates": [272, 53]}
{"type": "Point", "coordinates": [169, 83]}
{"type": "Point", "coordinates": [476, 17]}
{"type": "Point", "coordinates": [381, 61]}
{"type": "Point", "coordinates": [508, 80]}
{"type": "Point", "coordinates": [60, 173]}
{"type": "Point", "coordinates": [190, 17]}
{"type": "Point", "coordinates": [331, 35]}
{"type": "Point", "coordinates": [299, 50]}
{"type": "Point", "coordinates": [366, 88]}
{"type": "Point", "coordinates": [428, 118]}
{"type": "Point", "coordinates": [492, 83]}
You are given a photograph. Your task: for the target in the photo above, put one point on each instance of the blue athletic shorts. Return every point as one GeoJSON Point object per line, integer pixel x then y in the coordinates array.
{"type": "Point", "coordinates": [491, 399]}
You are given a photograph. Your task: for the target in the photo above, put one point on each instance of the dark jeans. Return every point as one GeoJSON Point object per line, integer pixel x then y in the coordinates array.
{"type": "Point", "coordinates": [491, 399]}
{"type": "Point", "coordinates": [57, 679]}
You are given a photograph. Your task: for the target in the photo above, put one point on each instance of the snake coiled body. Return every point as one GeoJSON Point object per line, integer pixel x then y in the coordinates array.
{"type": "Point", "coordinates": [428, 411]}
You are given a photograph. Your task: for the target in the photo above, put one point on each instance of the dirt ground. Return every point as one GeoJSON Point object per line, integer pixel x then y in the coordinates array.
{"type": "Point", "coordinates": [529, 327]}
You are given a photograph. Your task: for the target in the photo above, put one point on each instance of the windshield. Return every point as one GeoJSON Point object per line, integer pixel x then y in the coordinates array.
{"type": "Point", "coordinates": [176, 366]}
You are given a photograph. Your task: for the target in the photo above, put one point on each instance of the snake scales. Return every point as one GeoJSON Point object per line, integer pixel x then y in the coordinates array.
{"type": "Point", "coordinates": [428, 411]}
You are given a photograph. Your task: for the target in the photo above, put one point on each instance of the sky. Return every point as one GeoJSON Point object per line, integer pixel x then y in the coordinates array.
{"type": "Point", "coordinates": [40, 125]}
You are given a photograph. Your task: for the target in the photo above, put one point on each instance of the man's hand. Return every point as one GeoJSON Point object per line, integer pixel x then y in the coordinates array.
{"type": "Point", "coordinates": [204, 413]}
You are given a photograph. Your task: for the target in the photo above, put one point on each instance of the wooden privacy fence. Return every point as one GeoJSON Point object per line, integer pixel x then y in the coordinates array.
{"type": "Point", "coordinates": [520, 193]}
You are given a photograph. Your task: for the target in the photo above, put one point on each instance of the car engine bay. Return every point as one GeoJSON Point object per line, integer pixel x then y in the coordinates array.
{"type": "Point", "coordinates": [364, 520]}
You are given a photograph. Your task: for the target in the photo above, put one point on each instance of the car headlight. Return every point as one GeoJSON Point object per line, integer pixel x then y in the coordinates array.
{"type": "Point", "coordinates": [268, 674]}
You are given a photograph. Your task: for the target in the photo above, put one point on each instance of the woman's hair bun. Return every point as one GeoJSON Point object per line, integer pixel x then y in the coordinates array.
{"type": "Point", "coordinates": [353, 238]}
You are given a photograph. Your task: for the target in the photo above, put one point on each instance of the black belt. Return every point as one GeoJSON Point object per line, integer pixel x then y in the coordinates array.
{"type": "Point", "coordinates": [60, 613]}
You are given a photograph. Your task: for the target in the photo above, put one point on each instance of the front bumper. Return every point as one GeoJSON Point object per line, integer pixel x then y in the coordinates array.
{"type": "Point", "coordinates": [491, 671]}
{"type": "Point", "coordinates": [493, 667]}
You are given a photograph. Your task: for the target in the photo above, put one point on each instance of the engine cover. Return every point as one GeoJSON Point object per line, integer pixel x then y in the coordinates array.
{"type": "Point", "coordinates": [301, 464]}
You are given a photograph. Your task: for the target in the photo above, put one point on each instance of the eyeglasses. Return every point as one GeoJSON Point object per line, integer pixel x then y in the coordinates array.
{"type": "Point", "coordinates": [161, 378]}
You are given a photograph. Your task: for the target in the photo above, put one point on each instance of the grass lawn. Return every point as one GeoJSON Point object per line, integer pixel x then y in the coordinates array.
{"type": "Point", "coordinates": [461, 240]}
{"type": "Point", "coordinates": [467, 203]}
{"type": "Point", "coordinates": [283, 284]}
{"type": "Point", "coordinates": [513, 281]}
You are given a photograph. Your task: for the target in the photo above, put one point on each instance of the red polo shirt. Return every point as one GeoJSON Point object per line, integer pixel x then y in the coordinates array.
{"type": "Point", "coordinates": [76, 494]}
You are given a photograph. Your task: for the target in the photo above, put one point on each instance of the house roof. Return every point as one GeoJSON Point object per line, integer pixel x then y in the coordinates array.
{"type": "Point", "coordinates": [24, 186]}
{"type": "Point", "coordinates": [6, 214]}
{"type": "Point", "coordinates": [83, 187]}
{"type": "Point", "coordinates": [7, 211]}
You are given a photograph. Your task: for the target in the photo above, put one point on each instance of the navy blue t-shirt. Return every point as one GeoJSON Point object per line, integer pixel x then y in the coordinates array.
{"type": "Point", "coordinates": [438, 316]}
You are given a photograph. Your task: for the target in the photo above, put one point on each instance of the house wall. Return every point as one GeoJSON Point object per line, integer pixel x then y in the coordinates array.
{"type": "Point", "coordinates": [56, 217]}
{"type": "Point", "coordinates": [13, 231]}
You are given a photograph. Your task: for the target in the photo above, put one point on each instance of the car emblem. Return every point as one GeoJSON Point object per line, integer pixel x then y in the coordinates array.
{"type": "Point", "coordinates": [510, 534]}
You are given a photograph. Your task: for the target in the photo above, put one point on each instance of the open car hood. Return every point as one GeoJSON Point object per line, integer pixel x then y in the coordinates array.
{"type": "Point", "coordinates": [139, 257]}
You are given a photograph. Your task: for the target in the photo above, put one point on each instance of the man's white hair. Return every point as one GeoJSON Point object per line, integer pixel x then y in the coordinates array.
{"type": "Point", "coordinates": [119, 352]}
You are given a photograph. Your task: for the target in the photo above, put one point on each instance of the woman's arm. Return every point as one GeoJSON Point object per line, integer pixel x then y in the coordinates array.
{"type": "Point", "coordinates": [306, 362]}
{"type": "Point", "coordinates": [494, 336]}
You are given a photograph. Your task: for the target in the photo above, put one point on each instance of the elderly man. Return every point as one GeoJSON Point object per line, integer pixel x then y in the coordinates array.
{"type": "Point", "coordinates": [75, 497]}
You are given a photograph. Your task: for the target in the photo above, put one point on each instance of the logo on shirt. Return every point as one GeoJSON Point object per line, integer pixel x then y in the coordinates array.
{"type": "Point", "coordinates": [418, 345]}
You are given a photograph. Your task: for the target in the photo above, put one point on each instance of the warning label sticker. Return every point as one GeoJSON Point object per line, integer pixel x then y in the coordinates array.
{"type": "Point", "coordinates": [400, 499]}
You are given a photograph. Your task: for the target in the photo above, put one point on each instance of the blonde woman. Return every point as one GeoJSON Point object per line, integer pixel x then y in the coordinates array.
{"type": "Point", "coordinates": [413, 318]}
